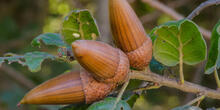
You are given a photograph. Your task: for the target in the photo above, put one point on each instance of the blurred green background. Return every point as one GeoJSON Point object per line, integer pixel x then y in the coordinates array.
{"type": "Point", "coordinates": [22, 20]}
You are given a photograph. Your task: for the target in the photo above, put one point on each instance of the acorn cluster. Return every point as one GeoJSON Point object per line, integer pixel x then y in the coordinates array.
{"type": "Point", "coordinates": [104, 67]}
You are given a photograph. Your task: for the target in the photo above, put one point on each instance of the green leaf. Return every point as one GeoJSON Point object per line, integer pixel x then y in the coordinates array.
{"type": "Point", "coordinates": [49, 39]}
{"type": "Point", "coordinates": [179, 37]}
{"type": "Point", "coordinates": [187, 108]}
{"type": "Point", "coordinates": [12, 59]}
{"type": "Point", "coordinates": [152, 34]}
{"type": "Point", "coordinates": [75, 107]}
{"type": "Point", "coordinates": [214, 51]}
{"type": "Point", "coordinates": [109, 103]}
{"type": "Point", "coordinates": [79, 25]}
{"type": "Point", "coordinates": [34, 59]}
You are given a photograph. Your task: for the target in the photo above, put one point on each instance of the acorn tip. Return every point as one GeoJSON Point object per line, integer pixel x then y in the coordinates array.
{"type": "Point", "coordinates": [21, 102]}
{"type": "Point", "coordinates": [75, 44]}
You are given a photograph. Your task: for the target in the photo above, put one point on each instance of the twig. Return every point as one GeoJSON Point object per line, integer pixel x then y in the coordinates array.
{"type": "Point", "coordinates": [120, 94]}
{"type": "Point", "coordinates": [178, 3]}
{"type": "Point", "coordinates": [217, 78]}
{"type": "Point", "coordinates": [147, 88]}
{"type": "Point", "coordinates": [152, 16]}
{"type": "Point", "coordinates": [173, 83]}
{"type": "Point", "coordinates": [198, 99]}
{"type": "Point", "coordinates": [203, 6]}
{"type": "Point", "coordinates": [163, 8]}
{"type": "Point", "coordinates": [102, 18]}
{"type": "Point", "coordinates": [149, 17]}
{"type": "Point", "coordinates": [18, 77]}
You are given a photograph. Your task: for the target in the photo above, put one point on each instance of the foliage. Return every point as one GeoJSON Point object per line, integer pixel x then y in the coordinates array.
{"type": "Point", "coordinates": [170, 41]}
{"type": "Point", "coordinates": [32, 59]}
{"type": "Point", "coordinates": [176, 38]}
{"type": "Point", "coordinates": [79, 25]}
{"type": "Point", "coordinates": [108, 103]}
{"type": "Point", "coordinates": [49, 39]}
{"type": "Point", "coordinates": [75, 107]}
{"type": "Point", "coordinates": [213, 61]}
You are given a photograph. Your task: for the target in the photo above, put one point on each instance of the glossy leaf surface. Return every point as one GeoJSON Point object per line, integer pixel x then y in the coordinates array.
{"type": "Point", "coordinates": [179, 38]}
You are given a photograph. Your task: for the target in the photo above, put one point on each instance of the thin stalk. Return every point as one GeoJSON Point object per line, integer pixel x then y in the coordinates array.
{"type": "Point", "coordinates": [181, 61]}
{"type": "Point", "coordinates": [198, 99]}
{"type": "Point", "coordinates": [147, 88]}
{"type": "Point", "coordinates": [217, 78]}
{"type": "Point", "coordinates": [181, 71]}
{"type": "Point", "coordinates": [120, 94]}
{"type": "Point", "coordinates": [172, 83]}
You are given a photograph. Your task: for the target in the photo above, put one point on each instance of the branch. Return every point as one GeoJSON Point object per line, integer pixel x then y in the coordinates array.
{"type": "Point", "coordinates": [163, 8]}
{"type": "Point", "coordinates": [149, 17]}
{"type": "Point", "coordinates": [203, 6]}
{"type": "Point", "coordinates": [173, 83]}
{"type": "Point", "coordinates": [18, 77]}
{"type": "Point", "coordinates": [152, 16]}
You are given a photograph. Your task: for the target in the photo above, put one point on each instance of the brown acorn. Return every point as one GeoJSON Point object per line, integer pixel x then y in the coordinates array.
{"type": "Point", "coordinates": [105, 63]}
{"type": "Point", "coordinates": [129, 34]}
{"type": "Point", "coordinates": [69, 88]}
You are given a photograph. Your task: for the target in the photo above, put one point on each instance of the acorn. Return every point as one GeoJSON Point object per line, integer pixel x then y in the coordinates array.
{"type": "Point", "coordinates": [129, 34]}
{"type": "Point", "coordinates": [69, 88]}
{"type": "Point", "coordinates": [106, 63]}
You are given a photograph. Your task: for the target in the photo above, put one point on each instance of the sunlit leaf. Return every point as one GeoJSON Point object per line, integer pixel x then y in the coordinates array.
{"type": "Point", "coordinates": [49, 39]}
{"type": "Point", "coordinates": [214, 51]}
{"type": "Point", "coordinates": [79, 25]}
{"type": "Point", "coordinates": [187, 108]}
{"type": "Point", "coordinates": [152, 34]}
{"type": "Point", "coordinates": [179, 38]}
{"type": "Point", "coordinates": [109, 103]}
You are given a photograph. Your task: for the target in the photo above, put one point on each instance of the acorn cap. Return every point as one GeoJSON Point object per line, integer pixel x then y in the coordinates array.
{"type": "Point", "coordinates": [129, 34]}
{"type": "Point", "coordinates": [141, 57]}
{"type": "Point", "coordinates": [95, 90]}
{"type": "Point", "coordinates": [104, 62]}
{"type": "Point", "coordinates": [69, 88]}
